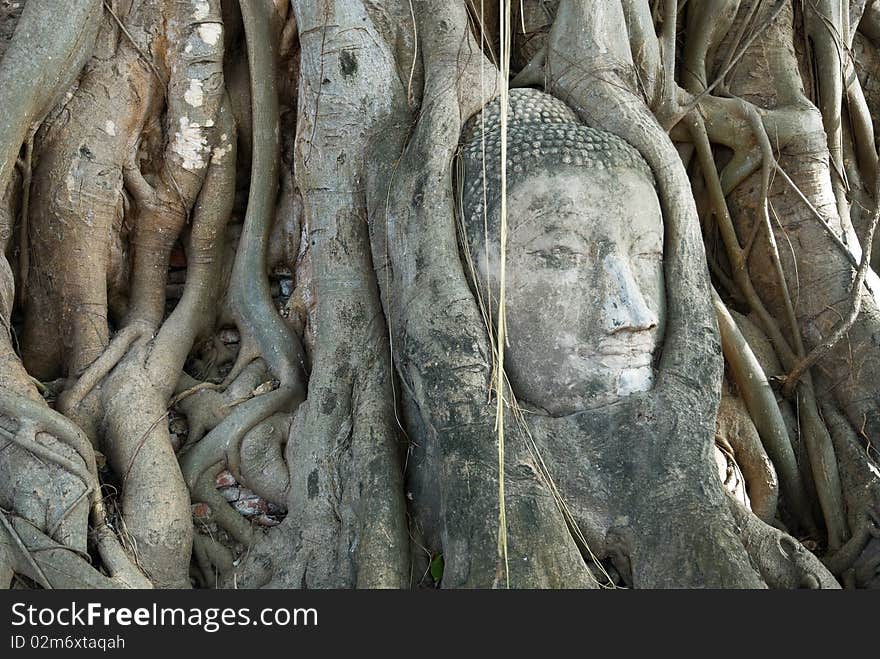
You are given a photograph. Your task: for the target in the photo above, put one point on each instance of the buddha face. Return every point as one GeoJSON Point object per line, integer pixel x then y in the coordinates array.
{"type": "Point", "coordinates": [584, 286]}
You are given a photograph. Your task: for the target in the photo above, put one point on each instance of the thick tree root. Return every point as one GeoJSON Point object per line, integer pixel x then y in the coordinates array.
{"type": "Point", "coordinates": [861, 476]}
{"type": "Point", "coordinates": [136, 172]}
{"type": "Point", "coordinates": [56, 566]}
{"type": "Point", "coordinates": [781, 560]}
{"type": "Point", "coordinates": [761, 402]}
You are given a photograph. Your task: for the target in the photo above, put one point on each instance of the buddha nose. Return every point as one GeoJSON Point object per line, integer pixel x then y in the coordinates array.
{"type": "Point", "coordinates": [625, 307]}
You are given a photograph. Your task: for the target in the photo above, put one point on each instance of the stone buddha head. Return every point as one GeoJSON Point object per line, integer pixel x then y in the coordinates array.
{"type": "Point", "coordinates": [584, 283]}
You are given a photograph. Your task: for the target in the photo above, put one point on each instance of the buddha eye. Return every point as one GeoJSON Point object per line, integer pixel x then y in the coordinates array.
{"type": "Point", "coordinates": [558, 256]}
{"type": "Point", "coordinates": [652, 256]}
{"type": "Point", "coordinates": [648, 245]}
{"type": "Point", "coordinates": [646, 249]}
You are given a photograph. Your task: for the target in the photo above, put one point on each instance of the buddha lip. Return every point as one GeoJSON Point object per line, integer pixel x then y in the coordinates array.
{"type": "Point", "coordinates": [628, 360]}
{"type": "Point", "coordinates": [620, 359]}
{"type": "Point", "coordinates": [624, 348]}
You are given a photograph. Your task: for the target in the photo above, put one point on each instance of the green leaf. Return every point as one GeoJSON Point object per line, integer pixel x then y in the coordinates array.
{"type": "Point", "coordinates": [437, 568]}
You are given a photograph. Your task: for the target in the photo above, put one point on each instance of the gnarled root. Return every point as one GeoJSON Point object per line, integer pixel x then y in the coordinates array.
{"type": "Point", "coordinates": [738, 437]}
{"type": "Point", "coordinates": [781, 560]}
{"type": "Point", "coordinates": [858, 560]}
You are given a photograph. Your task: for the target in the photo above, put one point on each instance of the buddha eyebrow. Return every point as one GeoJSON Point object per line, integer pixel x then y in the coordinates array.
{"type": "Point", "coordinates": [648, 240]}
{"type": "Point", "coordinates": [556, 233]}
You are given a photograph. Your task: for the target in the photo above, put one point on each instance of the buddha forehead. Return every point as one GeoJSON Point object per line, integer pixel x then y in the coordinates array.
{"type": "Point", "coordinates": [572, 205]}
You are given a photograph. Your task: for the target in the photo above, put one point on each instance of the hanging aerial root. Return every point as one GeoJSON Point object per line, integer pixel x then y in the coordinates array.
{"type": "Point", "coordinates": [856, 294]}
{"type": "Point", "coordinates": [77, 231]}
{"type": "Point", "coordinates": [249, 295]}
{"type": "Point", "coordinates": [816, 437]}
{"type": "Point", "coordinates": [195, 312]}
{"type": "Point", "coordinates": [707, 22]}
{"type": "Point", "coordinates": [140, 449]}
{"type": "Point", "coordinates": [826, 24]}
{"type": "Point", "coordinates": [33, 77]}
{"type": "Point", "coordinates": [195, 94]}
{"type": "Point", "coordinates": [855, 559]}
{"type": "Point", "coordinates": [139, 369]}
{"type": "Point", "coordinates": [732, 60]}
{"type": "Point", "coordinates": [862, 127]}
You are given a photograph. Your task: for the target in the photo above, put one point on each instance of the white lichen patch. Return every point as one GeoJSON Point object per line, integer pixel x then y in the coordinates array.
{"type": "Point", "coordinates": [220, 152]}
{"type": "Point", "coordinates": [632, 380]}
{"type": "Point", "coordinates": [210, 33]}
{"type": "Point", "coordinates": [110, 128]}
{"type": "Point", "coordinates": [201, 10]}
{"type": "Point", "coordinates": [194, 95]}
{"type": "Point", "coordinates": [191, 144]}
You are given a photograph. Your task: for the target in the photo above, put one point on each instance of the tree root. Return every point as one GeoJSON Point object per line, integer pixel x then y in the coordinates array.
{"type": "Point", "coordinates": [764, 411]}
{"type": "Point", "coordinates": [843, 328]}
{"type": "Point", "coordinates": [322, 438]}
{"type": "Point", "coordinates": [249, 296]}
{"type": "Point", "coordinates": [214, 560]}
{"type": "Point", "coordinates": [781, 560]}
{"type": "Point", "coordinates": [71, 398]}
{"type": "Point", "coordinates": [861, 478]}
{"type": "Point", "coordinates": [261, 465]}
{"type": "Point", "coordinates": [205, 491]}
{"type": "Point", "coordinates": [224, 440]}
{"type": "Point", "coordinates": [56, 566]}
{"type": "Point", "coordinates": [826, 23]}
{"type": "Point", "coordinates": [33, 78]}
{"type": "Point", "coordinates": [207, 407]}
{"type": "Point", "coordinates": [740, 442]}
{"type": "Point", "coordinates": [818, 442]}
{"type": "Point", "coordinates": [47, 420]}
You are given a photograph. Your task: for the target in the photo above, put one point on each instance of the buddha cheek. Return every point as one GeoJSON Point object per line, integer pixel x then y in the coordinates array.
{"type": "Point", "coordinates": [543, 331]}
{"type": "Point", "coordinates": [557, 301]}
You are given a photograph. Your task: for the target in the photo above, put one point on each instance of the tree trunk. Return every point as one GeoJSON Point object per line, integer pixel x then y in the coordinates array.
{"type": "Point", "coordinates": [245, 341]}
